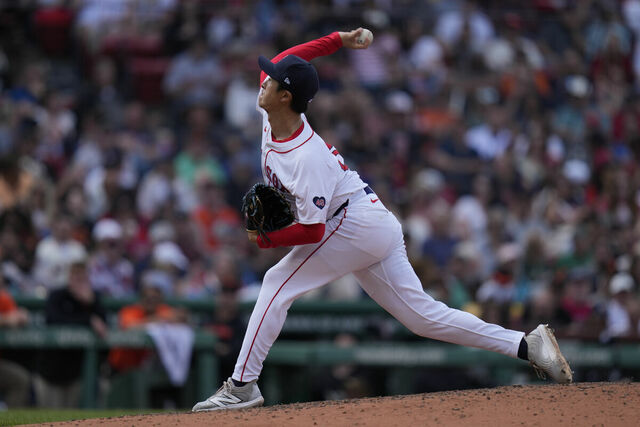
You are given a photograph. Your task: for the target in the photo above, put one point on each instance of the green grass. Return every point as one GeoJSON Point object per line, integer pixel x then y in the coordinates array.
{"type": "Point", "coordinates": [32, 416]}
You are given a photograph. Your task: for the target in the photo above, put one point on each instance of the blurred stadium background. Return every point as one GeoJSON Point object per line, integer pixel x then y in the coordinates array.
{"type": "Point", "coordinates": [504, 134]}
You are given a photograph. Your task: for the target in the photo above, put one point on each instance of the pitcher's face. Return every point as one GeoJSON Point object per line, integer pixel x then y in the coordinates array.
{"type": "Point", "coordinates": [271, 96]}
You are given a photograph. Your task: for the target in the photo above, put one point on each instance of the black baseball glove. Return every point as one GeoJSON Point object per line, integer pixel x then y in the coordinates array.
{"type": "Point", "coordinates": [266, 209]}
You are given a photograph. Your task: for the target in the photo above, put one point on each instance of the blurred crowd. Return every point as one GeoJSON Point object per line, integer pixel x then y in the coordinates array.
{"type": "Point", "coordinates": [505, 135]}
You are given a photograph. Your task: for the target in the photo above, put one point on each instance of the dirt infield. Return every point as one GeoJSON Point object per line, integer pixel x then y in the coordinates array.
{"type": "Point", "coordinates": [582, 404]}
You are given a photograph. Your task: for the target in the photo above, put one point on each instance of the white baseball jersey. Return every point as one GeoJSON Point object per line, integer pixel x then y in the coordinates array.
{"type": "Point", "coordinates": [362, 237]}
{"type": "Point", "coordinates": [308, 169]}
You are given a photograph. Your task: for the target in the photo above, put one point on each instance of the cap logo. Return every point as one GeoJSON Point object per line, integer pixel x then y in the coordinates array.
{"type": "Point", "coordinates": [287, 81]}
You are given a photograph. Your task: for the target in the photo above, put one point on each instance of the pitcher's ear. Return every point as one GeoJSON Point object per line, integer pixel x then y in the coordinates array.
{"type": "Point", "coordinates": [286, 96]}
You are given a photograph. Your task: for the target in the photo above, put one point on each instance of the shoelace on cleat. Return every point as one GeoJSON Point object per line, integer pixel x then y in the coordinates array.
{"type": "Point", "coordinates": [226, 386]}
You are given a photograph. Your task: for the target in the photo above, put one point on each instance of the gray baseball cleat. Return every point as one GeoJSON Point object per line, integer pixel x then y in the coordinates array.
{"type": "Point", "coordinates": [231, 397]}
{"type": "Point", "coordinates": [545, 355]}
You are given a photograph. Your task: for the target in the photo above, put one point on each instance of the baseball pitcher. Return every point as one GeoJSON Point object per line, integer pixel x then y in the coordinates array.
{"type": "Point", "coordinates": [339, 226]}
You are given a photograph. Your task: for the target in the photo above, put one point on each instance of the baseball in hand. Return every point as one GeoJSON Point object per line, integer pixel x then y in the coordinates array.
{"type": "Point", "coordinates": [364, 36]}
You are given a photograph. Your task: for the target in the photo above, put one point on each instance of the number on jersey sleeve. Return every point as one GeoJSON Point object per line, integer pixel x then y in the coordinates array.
{"type": "Point", "coordinates": [340, 159]}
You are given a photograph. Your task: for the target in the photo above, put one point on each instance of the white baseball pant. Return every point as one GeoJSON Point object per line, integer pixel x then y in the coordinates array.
{"type": "Point", "coordinates": [364, 239]}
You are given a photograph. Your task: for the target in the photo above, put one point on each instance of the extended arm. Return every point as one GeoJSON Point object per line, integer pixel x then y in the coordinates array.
{"type": "Point", "coordinates": [321, 47]}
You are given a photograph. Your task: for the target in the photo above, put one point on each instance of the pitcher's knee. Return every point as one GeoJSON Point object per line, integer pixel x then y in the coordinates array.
{"type": "Point", "coordinates": [270, 278]}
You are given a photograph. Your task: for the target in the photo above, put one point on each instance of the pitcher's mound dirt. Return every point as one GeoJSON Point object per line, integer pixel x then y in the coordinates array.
{"type": "Point", "coordinates": [582, 404]}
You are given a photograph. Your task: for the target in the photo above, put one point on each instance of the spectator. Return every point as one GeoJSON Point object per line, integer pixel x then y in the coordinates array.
{"type": "Point", "coordinates": [200, 282]}
{"type": "Point", "coordinates": [187, 233]}
{"type": "Point", "coordinates": [534, 270]}
{"type": "Point", "coordinates": [59, 383]}
{"type": "Point", "coordinates": [169, 261]}
{"type": "Point", "coordinates": [213, 215]}
{"type": "Point", "coordinates": [569, 119]}
{"type": "Point", "coordinates": [56, 253]}
{"type": "Point", "coordinates": [103, 184]}
{"type": "Point", "coordinates": [74, 204]}
{"type": "Point", "coordinates": [374, 67]}
{"type": "Point", "coordinates": [98, 18]}
{"type": "Point", "coordinates": [545, 306]}
{"type": "Point", "coordinates": [457, 161]}
{"type": "Point", "coordinates": [42, 204]}
{"type": "Point", "coordinates": [110, 272]}
{"type": "Point", "coordinates": [490, 140]}
{"type": "Point", "coordinates": [134, 232]}
{"type": "Point", "coordinates": [94, 145]}
{"type": "Point", "coordinates": [465, 23]}
{"type": "Point", "coordinates": [440, 245]}
{"type": "Point", "coordinates": [621, 309]}
{"type": "Point", "coordinates": [228, 326]}
{"type": "Point", "coordinates": [462, 280]}
{"type": "Point", "coordinates": [58, 125]}
{"type": "Point", "coordinates": [15, 380]}
{"type": "Point", "coordinates": [194, 76]}
{"type": "Point", "coordinates": [426, 191]}
{"type": "Point", "coordinates": [150, 308]}
{"type": "Point", "coordinates": [606, 29]}
{"type": "Point", "coordinates": [470, 212]}
{"type": "Point", "coordinates": [240, 100]}
{"type": "Point", "coordinates": [500, 289]}
{"type": "Point", "coordinates": [16, 184]}
{"type": "Point", "coordinates": [582, 256]}
{"type": "Point", "coordinates": [17, 247]}
{"type": "Point", "coordinates": [197, 158]}
{"type": "Point", "coordinates": [186, 22]}
{"type": "Point", "coordinates": [160, 190]}
{"type": "Point", "coordinates": [577, 301]}
{"type": "Point", "coordinates": [103, 90]}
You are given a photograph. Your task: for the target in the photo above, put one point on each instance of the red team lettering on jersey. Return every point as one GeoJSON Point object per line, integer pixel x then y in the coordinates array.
{"type": "Point", "coordinates": [273, 180]}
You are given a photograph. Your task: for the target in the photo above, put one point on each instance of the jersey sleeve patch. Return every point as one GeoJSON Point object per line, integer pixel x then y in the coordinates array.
{"type": "Point", "coordinates": [320, 202]}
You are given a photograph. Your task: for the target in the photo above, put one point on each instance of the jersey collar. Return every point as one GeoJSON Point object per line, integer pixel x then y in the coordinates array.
{"type": "Point", "coordinates": [293, 136]}
{"type": "Point", "coordinates": [300, 136]}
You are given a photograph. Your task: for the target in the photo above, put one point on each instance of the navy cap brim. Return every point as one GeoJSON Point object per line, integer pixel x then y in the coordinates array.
{"type": "Point", "coordinates": [268, 67]}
